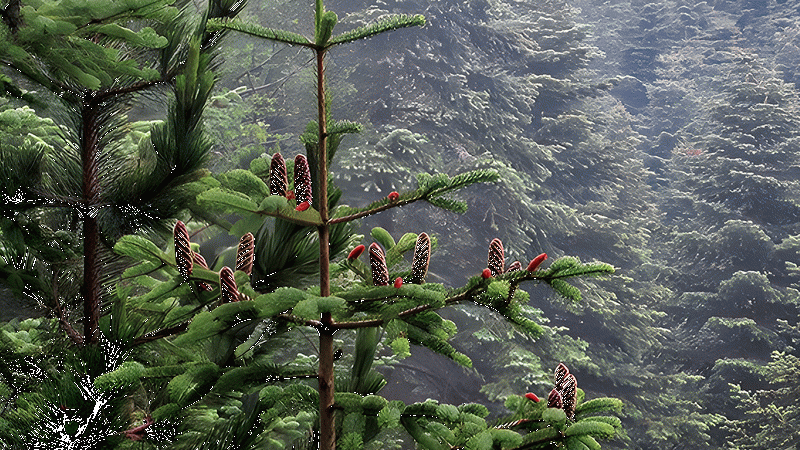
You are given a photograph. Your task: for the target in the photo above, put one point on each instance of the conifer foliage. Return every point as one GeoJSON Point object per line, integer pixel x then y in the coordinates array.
{"type": "Point", "coordinates": [92, 61]}
{"type": "Point", "coordinates": [218, 371]}
{"type": "Point", "coordinates": [242, 336]}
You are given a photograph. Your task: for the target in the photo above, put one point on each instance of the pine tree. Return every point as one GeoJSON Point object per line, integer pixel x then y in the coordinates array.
{"type": "Point", "coordinates": [243, 326]}
{"type": "Point", "coordinates": [92, 63]}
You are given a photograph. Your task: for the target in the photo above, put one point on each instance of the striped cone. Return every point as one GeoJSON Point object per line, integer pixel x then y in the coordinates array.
{"type": "Point", "coordinates": [422, 257]}
{"type": "Point", "coordinates": [227, 286]}
{"type": "Point", "coordinates": [183, 250]}
{"type": "Point", "coordinates": [496, 259]}
{"type": "Point", "coordinates": [569, 395]}
{"type": "Point", "coordinates": [277, 176]}
{"type": "Point", "coordinates": [245, 254]}
{"type": "Point", "coordinates": [380, 273]}
{"type": "Point", "coordinates": [302, 180]}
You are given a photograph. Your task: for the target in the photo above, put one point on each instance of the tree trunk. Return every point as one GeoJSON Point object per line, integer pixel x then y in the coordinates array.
{"type": "Point", "coordinates": [91, 231]}
{"type": "Point", "coordinates": [326, 382]}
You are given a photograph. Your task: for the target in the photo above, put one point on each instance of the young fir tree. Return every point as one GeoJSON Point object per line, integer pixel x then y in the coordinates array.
{"type": "Point", "coordinates": [92, 61]}
{"type": "Point", "coordinates": [247, 387]}
{"type": "Point", "coordinates": [208, 401]}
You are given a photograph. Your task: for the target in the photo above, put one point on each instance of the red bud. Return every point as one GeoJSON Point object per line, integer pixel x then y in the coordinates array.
{"type": "Point", "coordinates": [356, 252]}
{"type": "Point", "coordinates": [393, 196]}
{"type": "Point", "coordinates": [487, 273]}
{"type": "Point", "coordinates": [303, 206]}
{"type": "Point", "coordinates": [532, 396]}
{"type": "Point", "coordinates": [536, 262]}
{"type": "Point", "coordinates": [398, 282]}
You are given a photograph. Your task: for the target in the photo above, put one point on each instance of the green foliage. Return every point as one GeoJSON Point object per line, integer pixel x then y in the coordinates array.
{"type": "Point", "coordinates": [442, 426]}
{"type": "Point", "coordinates": [383, 25]}
{"type": "Point", "coordinates": [258, 31]}
{"type": "Point", "coordinates": [233, 374]}
{"type": "Point", "coordinates": [69, 46]}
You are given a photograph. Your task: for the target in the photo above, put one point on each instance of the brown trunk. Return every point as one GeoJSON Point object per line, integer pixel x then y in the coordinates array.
{"type": "Point", "coordinates": [91, 230]}
{"type": "Point", "coordinates": [327, 422]}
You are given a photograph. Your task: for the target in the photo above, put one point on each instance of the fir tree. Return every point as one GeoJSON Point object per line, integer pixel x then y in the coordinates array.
{"type": "Point", "coordinates": [92, 65]}
{"type": "Point", "coordinates": [241, 324]}
{"type": "Point", "coordinates": [231, 377]}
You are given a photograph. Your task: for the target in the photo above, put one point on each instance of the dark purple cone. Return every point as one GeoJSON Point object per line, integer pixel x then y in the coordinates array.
{"type": "Point", "coordinates": [497, 256]}
{"type": "Point", "coordinates": [227, 286]}
{"type": "Point", "coordinates": [569, 395]}
{"type": "Point", "coordinates": [554, 400]}
{"type": "Point", "coordinates": [183, 251]}
{"type": "Point", "coordinates": [560, 375]}
{"type": "Point", "coordinates": [200, 261]}
{"type": "Point", "coordinates": [380, 273]}
{"type": "Point", "coordinates": [516, 265]}
{"type": "Point", "coordinates": [422, 257]}
{"type": "Point", "coordinates": [278, 181]}
{"type": "Point", "coordinates": [245, 254]}
{"type": "Point", "coordinates": [302, 180]}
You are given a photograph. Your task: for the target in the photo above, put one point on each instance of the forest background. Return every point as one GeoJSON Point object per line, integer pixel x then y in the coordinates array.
{"type": "Point", "coordinates": [661, 137]}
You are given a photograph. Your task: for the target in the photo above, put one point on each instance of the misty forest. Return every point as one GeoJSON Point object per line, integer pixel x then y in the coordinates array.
{"type": "Point", "coordinates": [399, 224]}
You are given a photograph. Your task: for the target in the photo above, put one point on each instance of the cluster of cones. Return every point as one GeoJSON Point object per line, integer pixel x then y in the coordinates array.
{"type": "Point", "coordinates": [186, 258]}
{"type": "Point", "coordinates": [380, 272]}
{"type": "Point", "coordinates": [564, 396]}
{"type": "Point", "coordinates": [565, 393]}
{"type": "Point", "coordinates": [497, 260]}
{"type": "Point", "coordinates": [422, 256]}
{"type": "Point", "coordinates": [279, 181]}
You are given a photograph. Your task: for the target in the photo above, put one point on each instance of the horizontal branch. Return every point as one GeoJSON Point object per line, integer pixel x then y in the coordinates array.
{"type": "Point", "coordinates": [377, 209]}
{"type": "Point", "coordinates": [162, 333]}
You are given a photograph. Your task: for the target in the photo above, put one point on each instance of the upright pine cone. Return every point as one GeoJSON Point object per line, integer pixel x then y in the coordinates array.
{"type": "Point", "coordinates": [380, 273]}
{"type": "Point", "coordinates": [422, 257]}
{"type": "Point", "coordinates": [496, 261]}
{"type": "Point", "coordinates": [200, 261]}
{"type": "Point", "coordinates": [278, 181]}
{"type": "Point", "coordinates": [245, 254]}
{"type": "Point", "coordinates": [516, 265]}
{"type": "Point", "coordinates": [569, 395]}
{"type": "Point", "coordinates": [554, 399]}
{"type": "Point", "coordinates": [183, 251]}
{"type": "Point", "coordinates": [560, 375]}
{"type": "Point", "coordinates": [302, 180]}
{"type": "Point", "coordinates": [227, 286]}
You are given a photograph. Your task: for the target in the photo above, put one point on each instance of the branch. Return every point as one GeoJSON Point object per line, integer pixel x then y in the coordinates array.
{"type": "Point", "coordinates": [409, 312]}
{"type": "Point", "coordinates": [73, 335]}
{"type": "Point", "coordinates": [162, 333]}
{"type": "Point", "coordinates": [382, 205]}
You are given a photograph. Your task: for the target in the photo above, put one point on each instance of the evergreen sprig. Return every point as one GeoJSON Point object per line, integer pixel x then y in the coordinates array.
{"type": "Point", "coordinates": [384, 24]}
{"type": "Point", "coordinates": [431, 188]}
{"type": "Point", "coordinates": [272, 34]}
